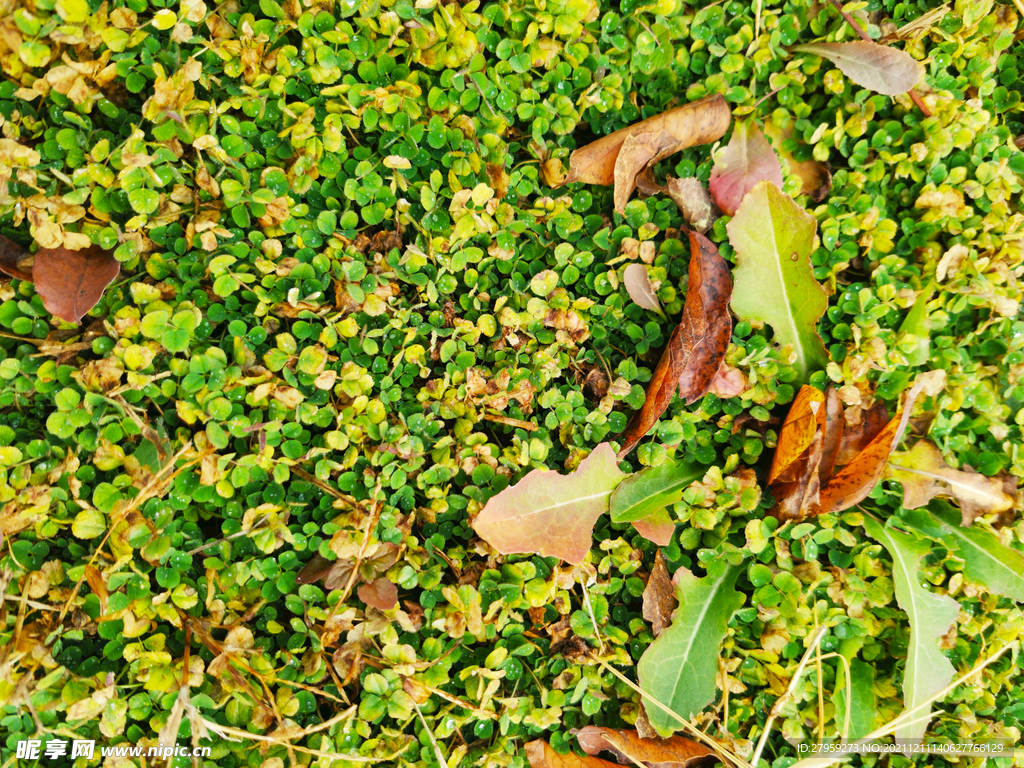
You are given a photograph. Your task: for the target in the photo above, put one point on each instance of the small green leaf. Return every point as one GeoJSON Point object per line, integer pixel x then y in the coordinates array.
{"type": "Point", "coordinates": [987, 560]}
{"type": "Point", "coordinates": [88, 524]}
{"type": "Point", "coordinates": [144, 200]}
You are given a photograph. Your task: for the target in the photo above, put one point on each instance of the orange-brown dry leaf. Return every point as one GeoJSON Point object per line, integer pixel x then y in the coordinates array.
{"type": "Point", "coordinates": [15, 260]}
{"type": "Point", "coordinates": [854, 481]}
{"type": "Point", "coordinates": [98, 586]}
{"type": "Point", "coordinates": [696, 347]}
{"type": "Point", "coordinates": [541, 755]}
{"type": "Point", "coordinates": [71, 282]}
{"type": "Point", "coordinates": [797, 432]}
{"type": "Point", "coordinates": [629, 748]}
{"type": "Point", "coordinates": [831, 420]}
{"type": "Point", "coordinates": [856, 436]}
{"type": "Point", "coordinates": [659, 596]}
{"type": "Point", "coordinates": [800, 497]}
{"type": "Point", "coordinates": [380, 593]}
{"type": "Point", "coordinates": [619, 157]}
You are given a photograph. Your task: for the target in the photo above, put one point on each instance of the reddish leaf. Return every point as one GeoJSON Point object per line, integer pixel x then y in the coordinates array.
{"type": "Point", "coordinates": [696, 347]}
{"type": "Point", "coordinates": [659, 596]}
{"type": "Point", "coordinates": [380, 594]}
{"type": "Point", "coordinates": [629, 748]}
{"type": "Point", "coordinates": [71, 282]}
{"type": "Point", "coordinates": [541, 755]}
{"type": "Point", "coordinates": [13, 260]}
{"type": "Point", "coordinates": [656, 527]}
{"type": "Point", "coordinates": [747, 159]}
{"type": "Point", "coordinates": [550, 514]}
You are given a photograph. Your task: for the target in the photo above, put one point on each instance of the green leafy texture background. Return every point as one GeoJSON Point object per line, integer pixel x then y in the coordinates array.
{"type": "Point", "coordinates": [252, 323]}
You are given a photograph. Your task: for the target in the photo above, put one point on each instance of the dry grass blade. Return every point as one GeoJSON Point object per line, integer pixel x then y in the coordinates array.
{"type": "Point", "coordinates": [725, 754]}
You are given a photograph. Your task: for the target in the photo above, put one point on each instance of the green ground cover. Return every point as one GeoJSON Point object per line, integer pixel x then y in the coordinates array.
{"type": "Point", "coordinates": [354, 304]}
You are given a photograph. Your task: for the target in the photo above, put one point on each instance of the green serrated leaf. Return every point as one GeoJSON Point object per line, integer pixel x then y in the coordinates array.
{"type": "Point", "coordinates": [652, 489]}
{"type": "Point", "coordinates": [680, 667]}
{"type": "Point", "coordinates": [928, 670]}
{"type": "Point", "coordinates": [773, 280]}
{"type": "Point", "coordinates": [860, 699]}
{"type": "Point", "coordinates": [987, 560]}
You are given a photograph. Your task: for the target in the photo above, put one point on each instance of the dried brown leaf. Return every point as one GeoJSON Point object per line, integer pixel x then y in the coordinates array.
{"type": "Point", "coordinates": [854, 481]}
{"type": "Point", "coordinates": [70, 283]}
{"type": "Point", "coordinates": [541, 755]}
{"type": "Point", "coordinates": [801, 496]}
{"type": "Point", "coordinates": [619, 157]}
{"type": "Point", "coordinates": [696, 347]}
{"type": "Point", "coordinates": [629, 748]}
{"type": "Point", "coordinates": [15, 260]}
{"type": "Point", "coordinates": [638, 286]}
{"type": "Point", "coordinates": [796, 434]}
{"type": "Point", "coordinates": [694, 202]}
{"type": "Point", "coordinates": [856, 436]}
{"type": "Point", "coordinates": [381, 594]}
{"type": "Point", "coordinates": [924, 475]}
{"type": "Point", "coordinates": [830, 419]}
{"type": "Point", "coordinates": [659, 596]}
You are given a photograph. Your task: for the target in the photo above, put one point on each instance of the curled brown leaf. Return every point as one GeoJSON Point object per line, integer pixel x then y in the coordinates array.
{"type": "Point", "coordinates": [694, 202]}
{"type": "Point", "coordinates": [659, 596]}
{"type": "Point", "coordinates": [696, 347]}
{"type": "Point", "coordinates": [619, 157]}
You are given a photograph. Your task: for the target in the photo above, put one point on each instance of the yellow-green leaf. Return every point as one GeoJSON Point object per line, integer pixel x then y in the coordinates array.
{"type": "Point", "coordinates": [773, 280]}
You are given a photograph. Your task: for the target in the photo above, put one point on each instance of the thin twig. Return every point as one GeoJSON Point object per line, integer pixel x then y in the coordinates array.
{"type": "Point", "coordinates": [902, 719]}
{"type": "Point", "coordinates": [508, 421]}
{"type": "Point", "coordinates": [727, 755]}
{"type": "Point", "coordinates": [777, 707]}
